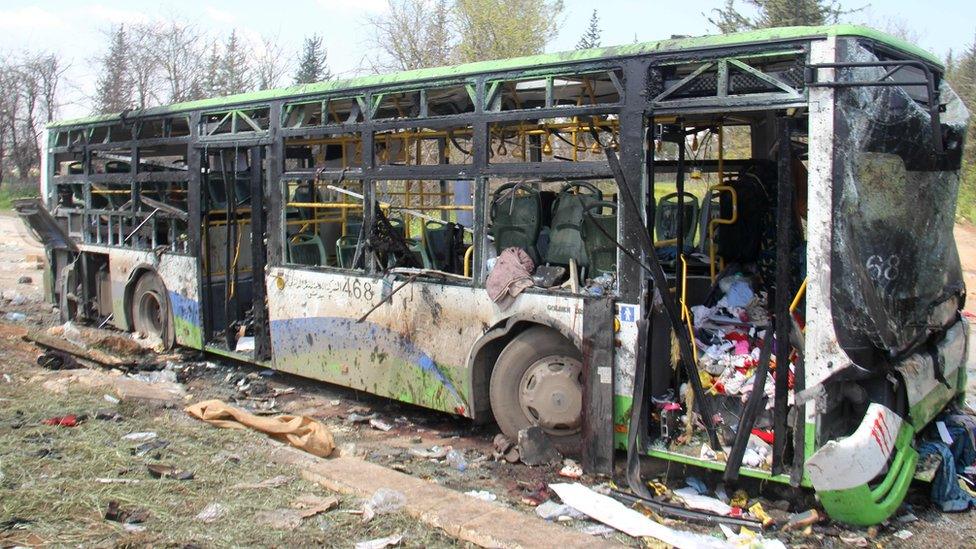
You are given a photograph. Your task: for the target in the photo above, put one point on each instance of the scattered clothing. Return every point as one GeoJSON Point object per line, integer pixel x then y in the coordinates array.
{"type": "Point", "coordinates": [946, 491]}
{"type": "Point", "coordinates": [511, 274]}
{"type": "Point", "coordinates": [300, 431]}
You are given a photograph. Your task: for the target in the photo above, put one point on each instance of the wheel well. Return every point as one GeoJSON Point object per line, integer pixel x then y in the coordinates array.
{"type": "Point", "coordinates": [130, 288]}
{"type": "Point", "coordinates": [486, 354]}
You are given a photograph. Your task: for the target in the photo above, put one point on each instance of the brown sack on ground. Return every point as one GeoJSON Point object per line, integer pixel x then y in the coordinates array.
{"type": "Point", "coordinates": [300, 431]}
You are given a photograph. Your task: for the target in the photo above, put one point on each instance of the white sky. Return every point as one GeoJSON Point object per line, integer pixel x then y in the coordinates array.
{"type": "Point", "coordinates": [73, 28]}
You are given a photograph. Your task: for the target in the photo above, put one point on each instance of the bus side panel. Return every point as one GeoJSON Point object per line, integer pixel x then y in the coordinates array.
{"type": "Point", "coordinates": [414, 348]}
{"type": "Point", "coordinates": [179, 274]}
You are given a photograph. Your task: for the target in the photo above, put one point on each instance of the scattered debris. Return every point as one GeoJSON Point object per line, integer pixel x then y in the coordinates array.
{"type": "Point", "coordinates": [854, 539]}
{"type": "Point", "coordinates": [108, 415]}
{"type": "Point", "coordinates": [25, 280]}
{"type": "Point", "coordinates": [760, 513]}
{"type": "Point", "coordinates": [69, 420]}
{"type": "Point", "coordinates": [536, 494]}
{"type": "Point", "coordinates": [571, 469]}
{"type": "Point", "coordinates": [302, 508]}
{"type": "Point", "coordinates": [550, 510]}
{"type": "Point", "coordinates": [157, 470]}
{"type": "Point", "coordinates": [380, 424]}
{"type": "Point", "coordinates": [613, 513]}
{"type": "Point", "coordinates": [380, 543]}
{"type": "Point", "coordinates": [907, 518]}
{"type": "Point", "coordinates": [115, 513]}
{"type": "Point", "coordinates": [354, 417]}
{"type": "Point", "coordinates": [748, 538]}
{"type": "Point", "coordinates": [273, 482]}
{"type": "Point", "coordinates": [146, 447]}
{"type": "Point", "coordinates": [211, 512]}
{"type": "Point", "coordinates": [383, 501]}
{"type": "Point", "coordinates": [799, 521]}
{"type": "Point", "coordinates": [483, 495]}
{"type": "Point", "coordinates": [435, 452]}
{"type": "Point", "coordinates": [505, 449]}
{"type": "Point", "coordinates": [693, 500]}
{"type": "Point", "coordinates": [56, 360]}
{"type": "Point", "coordinates": [456, 460]}
{"type": "Point", "coordinates": [15, 317]}
{"type": "Point", "coordinates": [903, 534]}
{"type": "Point", "coordinates": [597, 530]}
{"type": "Point", "coordinates": [144, 436]}
{"type": "Point", "coordinates": [301, 432]}
{"type": "Point", "coordinates": [535, 448]}
{"type": "Point", "coordinates": [111, 399]}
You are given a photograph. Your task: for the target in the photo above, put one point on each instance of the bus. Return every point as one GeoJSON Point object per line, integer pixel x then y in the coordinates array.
{"type": "Point", "coordinates": [733, 252]}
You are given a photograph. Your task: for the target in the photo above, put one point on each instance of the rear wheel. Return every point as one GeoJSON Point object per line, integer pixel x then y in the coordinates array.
{"type": "Point", "coordinates": [537, 380]}
{"type": "Point", "coordinates": [149, 308]}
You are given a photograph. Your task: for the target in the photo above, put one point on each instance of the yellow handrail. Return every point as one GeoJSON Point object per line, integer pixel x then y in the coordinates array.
{"type": "Point", "coordinates": [719, 221]}
{"type": "Point", "coordinates": [685, 312]}
{"type": "Point", "coordinates": [799, 296]}
{"type": "Point", "coordinates": [468, 257]}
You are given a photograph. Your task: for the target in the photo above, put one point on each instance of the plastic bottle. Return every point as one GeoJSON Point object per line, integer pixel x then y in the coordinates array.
{"type": "Point", "coordinates": [456, 459]}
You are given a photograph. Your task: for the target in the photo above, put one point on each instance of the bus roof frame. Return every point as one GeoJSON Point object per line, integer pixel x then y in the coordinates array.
{"type": "Point", "coordinates": [673, 45]}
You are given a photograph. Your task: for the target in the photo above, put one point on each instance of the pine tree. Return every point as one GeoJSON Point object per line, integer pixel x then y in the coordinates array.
{"type": "Point", "coordinates": [210, 81]}
{"type": "Point", "coordinates": [591, 38]}
{"type": "Point", "coordinates": [234, 73]}
{"type": "Point", "coordinates": [777, 13]}
{"type": "Point", "coordinates": [312, 66]}
{"type": "Point", "coordinates": [115, 88]}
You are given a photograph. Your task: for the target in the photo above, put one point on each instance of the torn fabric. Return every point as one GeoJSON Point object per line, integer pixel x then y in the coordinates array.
{"type": "Point", "coordinates": [302, 432]}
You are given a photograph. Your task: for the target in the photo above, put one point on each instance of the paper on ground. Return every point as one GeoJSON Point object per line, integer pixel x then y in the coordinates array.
{"type": "Point", "coordinates": [613, 513]}
{"type": "Point", "coordinates": [694, 500]}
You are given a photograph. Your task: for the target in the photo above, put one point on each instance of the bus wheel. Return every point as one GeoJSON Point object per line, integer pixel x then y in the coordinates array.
{"type": "Point", "coordinates": [537, 380]}
{"type": "Point", "coordinates": [150, 314]}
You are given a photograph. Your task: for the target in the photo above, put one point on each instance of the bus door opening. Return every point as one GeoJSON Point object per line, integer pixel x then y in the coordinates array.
{"type": "Point", "coordinates": [234, 256]}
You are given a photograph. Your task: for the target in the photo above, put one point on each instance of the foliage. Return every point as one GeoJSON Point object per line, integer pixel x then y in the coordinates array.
{"type": "Point", "coordinates": [29, 85]}
{"type": "Point", "coordinates": [497, 29]}
{"type": "Point", "coordinates": [311, 65]}
{"type": "Point", "coordinates": [11, 191]}
{"type": "Point", "coordinates": [413, 34]}
{"type": "Point", "coordinates": [961, 75]}
{"type": "Point", "coordinates": [115, 87]}
{"type": "Point", "coordinates": [776, 13]}
{"type": "Point", "coordinates": [591, 38]}
{"type": "Point", "coordinates": [235, 72]}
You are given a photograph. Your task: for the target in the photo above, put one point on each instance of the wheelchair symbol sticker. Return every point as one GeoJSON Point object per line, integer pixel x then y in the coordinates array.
{"type": "Point", "coordinates": [627, 313]}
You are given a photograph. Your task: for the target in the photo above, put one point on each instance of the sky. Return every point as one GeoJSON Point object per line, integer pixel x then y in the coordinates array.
{"type": "Point", "coordinates": [74, 29]}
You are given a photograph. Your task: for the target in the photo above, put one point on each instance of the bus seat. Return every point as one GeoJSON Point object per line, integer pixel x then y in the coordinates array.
{"type": "Point", "coordinates": [666, 217]}
{"type": "Point", "coordinates": [600, 250]}
{"type": "Point", "coordinates": [399, 226]}
{"type": "Point", "coordinates": [306, 249]}
{"type": "Point", "coordinates": [439, 244]}
{"type": "Point", "coordinates": [419, 252]}
{"type": "Point", "coordinates": [354, 224]}
{"type": "Point", "coordinates": [346, 250]}
{"type": "Point", "coordinates": [117, 166]}
{"type": "Point", "coordinates": [710, 209]}
{"type": "Point", "coordinates": [329, 232]}
{"type": "Point", "coordinates": [516, 218]}
{"type": "Point", "coordinates": [565, 237]}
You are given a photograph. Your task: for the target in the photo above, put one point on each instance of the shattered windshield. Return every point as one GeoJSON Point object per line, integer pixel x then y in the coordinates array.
{"type": "Point", "coordinates": [893, 256]}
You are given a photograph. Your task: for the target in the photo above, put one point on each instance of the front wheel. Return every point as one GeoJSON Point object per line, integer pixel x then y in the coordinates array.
{"type": "Point", "coordinates": [537, 380]}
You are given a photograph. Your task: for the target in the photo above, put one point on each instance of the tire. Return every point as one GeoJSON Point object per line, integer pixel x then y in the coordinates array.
{"type": "Point", "coordinates": [537, 380]}
{"type": "Point", "coordinates": [149, 309]}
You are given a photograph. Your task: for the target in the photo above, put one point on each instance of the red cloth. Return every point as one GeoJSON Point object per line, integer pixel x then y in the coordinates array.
{"type": "Point", "coordinates": [62, 421]}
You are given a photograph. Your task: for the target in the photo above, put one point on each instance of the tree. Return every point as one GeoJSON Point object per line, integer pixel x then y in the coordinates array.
{"type": "Point", "coordinates": [962, 78]}
{"type": "Point", "coordinates": [776, 13]}
{"type": "Point", "coordinates": [235, 73]}
{"type": "Point", "coordinates": [496, 29]}
{"type": "Point", "coordinates": [210, 85]}
{"type": "Point", "coordinates": [591, 38]}
{"type": "Point", "coordinates": [269, 64]}
{"type": "Point", "coordinates": [144, 70]}
{"type": "Point", "coordinates": [413, 34]}
{"type": "Point", "coordinates": [113, 92]}
{"type": "Point", "coordinates": [311, 65]}
{"type": "Point", "coordinates": [179, 50]}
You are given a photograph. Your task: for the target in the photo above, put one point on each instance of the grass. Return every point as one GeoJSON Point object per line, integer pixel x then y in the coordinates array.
{"type": "Point", "coordinates": [10, 191]}
{"type": "Point", "coordinates": [48, 480]}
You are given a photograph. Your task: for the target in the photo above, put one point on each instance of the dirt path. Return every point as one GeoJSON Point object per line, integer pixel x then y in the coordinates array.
{"type": "Point", "coordinates": [966, 245]}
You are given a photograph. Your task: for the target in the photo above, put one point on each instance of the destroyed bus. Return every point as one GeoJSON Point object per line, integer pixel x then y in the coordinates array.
{"type": "Point", "coordinates": [733, 252]}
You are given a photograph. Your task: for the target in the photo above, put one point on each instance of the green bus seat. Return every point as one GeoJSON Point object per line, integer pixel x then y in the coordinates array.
{"type": "Point", "coordinates": [346, 250]}
{"type": "Point", "coordinates": [600, 250]}
{"type": "Point", "coordinates": [306, 249]}
{"type": "Point", "coordinates": [666, 217]}
{"type": "Point", "coordinates": [565, 237]}
{"type": "Point", "coordinates": [516, 217]}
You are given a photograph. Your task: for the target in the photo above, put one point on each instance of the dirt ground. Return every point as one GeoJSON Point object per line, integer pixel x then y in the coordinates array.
{"type": "Point", "coordinates": [56, 482]}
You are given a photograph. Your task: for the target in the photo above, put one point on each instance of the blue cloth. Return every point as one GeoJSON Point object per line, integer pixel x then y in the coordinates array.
{"type": "Point", "coordinates": [945, 488]}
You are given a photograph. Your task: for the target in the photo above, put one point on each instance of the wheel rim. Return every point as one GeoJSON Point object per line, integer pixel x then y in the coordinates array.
{"type": "Point", "coordinates": [551, 394]}
{"type": "Point", "coordinates": [151, 311]}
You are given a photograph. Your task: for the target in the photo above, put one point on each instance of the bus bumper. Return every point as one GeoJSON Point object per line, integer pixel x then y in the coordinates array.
{"type": "Point", "coordinates": [841, 470]}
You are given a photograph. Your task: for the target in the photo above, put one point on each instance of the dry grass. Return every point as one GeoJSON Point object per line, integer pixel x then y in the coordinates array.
{"type": "Point", "coordinates": [48, 480]}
